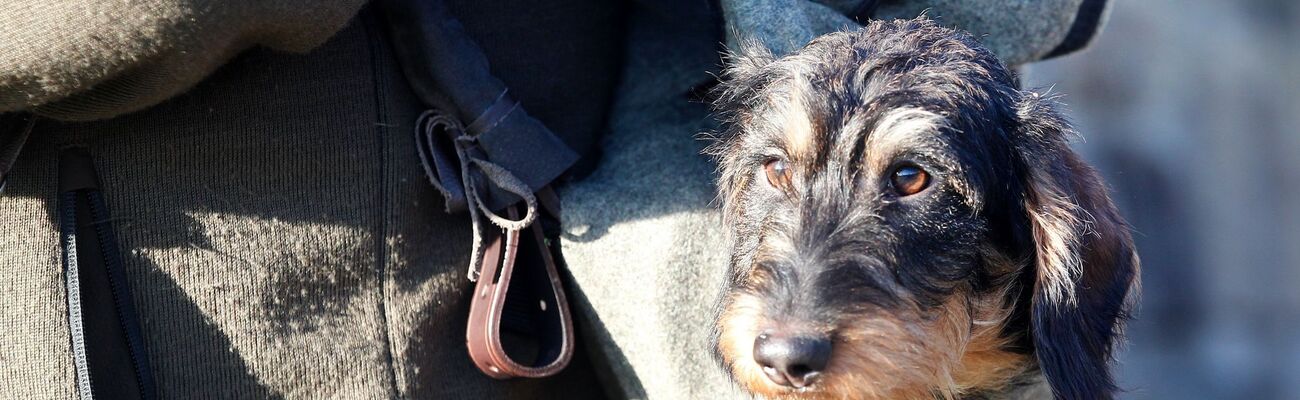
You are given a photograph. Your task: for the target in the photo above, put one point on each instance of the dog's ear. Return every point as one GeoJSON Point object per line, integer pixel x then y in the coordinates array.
{"type": "Point", "coordinates": [1086, 265]}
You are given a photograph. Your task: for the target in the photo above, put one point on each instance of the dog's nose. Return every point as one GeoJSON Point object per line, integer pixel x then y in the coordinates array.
{"type": "Point", "coordinates": [792, 361]}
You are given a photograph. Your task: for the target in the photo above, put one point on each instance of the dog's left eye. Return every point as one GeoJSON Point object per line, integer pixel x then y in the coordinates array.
{"type": "Point", "coordinates": [909, 180]}
{"type": "Point", "coordinates": [778, 173]}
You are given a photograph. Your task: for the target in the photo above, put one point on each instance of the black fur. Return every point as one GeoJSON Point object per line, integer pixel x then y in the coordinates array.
{"type": "Point", "coordinates": [1074, 342]}
{"type": "Point", "coordinates": [840, 242]}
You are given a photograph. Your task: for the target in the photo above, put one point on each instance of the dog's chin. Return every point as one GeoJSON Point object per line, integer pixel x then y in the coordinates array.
{"type": "Point", "coordinates": [895, 354]}
{"type": "Point", "coordinates": [880, 357]}
{"type": "Point", "coordinates": [841, 384]}
{"type": "Point", "coordinates": [844, 379]}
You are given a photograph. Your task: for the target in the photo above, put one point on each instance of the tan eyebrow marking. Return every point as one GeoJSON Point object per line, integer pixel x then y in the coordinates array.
{"type": "Point", "coordinates": [790, 111]}
{"type": "Point", "coordinates": [897, 130]}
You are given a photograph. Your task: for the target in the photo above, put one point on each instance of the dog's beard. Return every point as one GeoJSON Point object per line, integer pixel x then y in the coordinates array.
{"type": "Point", "coordinates": [953, 350]}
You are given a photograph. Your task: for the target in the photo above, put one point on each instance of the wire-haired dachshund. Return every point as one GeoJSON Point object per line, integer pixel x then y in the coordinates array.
{"type": "Point", "coordinates": [905, 223]}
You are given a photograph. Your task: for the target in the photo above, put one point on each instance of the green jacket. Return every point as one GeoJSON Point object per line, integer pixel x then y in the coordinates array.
{"type": "Point", "coordinates": [279, 235]}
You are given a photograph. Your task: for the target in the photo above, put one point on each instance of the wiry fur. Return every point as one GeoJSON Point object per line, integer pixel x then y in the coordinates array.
{"type": "Point", "coordinates": [1012, 268]}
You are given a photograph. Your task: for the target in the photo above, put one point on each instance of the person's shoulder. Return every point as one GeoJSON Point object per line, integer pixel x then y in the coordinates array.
{"type": "Point", "coordinates": [1018, 32]}
{"type": "Point", "coordinates": [1088, 21]}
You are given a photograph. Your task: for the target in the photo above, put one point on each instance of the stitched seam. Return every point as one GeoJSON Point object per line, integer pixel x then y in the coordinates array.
{"type": "Point", "coordinates": [377, 78]}
{"type": "Point", "coordinates": [72, 282]}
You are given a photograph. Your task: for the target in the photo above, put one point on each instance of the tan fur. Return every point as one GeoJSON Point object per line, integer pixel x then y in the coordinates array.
{"type": "Point", "coordinates": [789, 116]}
{"type": "Point", "coordinates": [890, 354]}
{"type": "Point", "coordinates": [908, 349]}
{"type": "Point", "coordinates": [739, 326]}
{"type": "Point", "coordinates": [910, 128]}
{"type": "Point", "coordinates": [985, 363]}
{"type": "Point", "coordinates": [952, 351]}
{"type": "Point", "coordinates": [798, 130]}
{"type": "Point", "coordinates": [1055, 218]}
{"type": "Point", "coordinates": [898, 130]}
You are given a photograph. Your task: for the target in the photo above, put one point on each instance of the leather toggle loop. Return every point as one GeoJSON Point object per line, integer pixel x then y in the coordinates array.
{"type": "Point", "coordinates": [520, 324]}
{"type": "Point", "coordinates": [466, 185]}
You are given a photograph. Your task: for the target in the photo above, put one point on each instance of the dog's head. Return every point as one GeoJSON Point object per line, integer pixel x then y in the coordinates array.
{"type": "Point", "coordinates": [908, 224]}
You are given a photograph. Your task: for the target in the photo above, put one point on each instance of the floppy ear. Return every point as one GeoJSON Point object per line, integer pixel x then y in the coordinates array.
{"type": "Point", "coordinates": [1086, 265]}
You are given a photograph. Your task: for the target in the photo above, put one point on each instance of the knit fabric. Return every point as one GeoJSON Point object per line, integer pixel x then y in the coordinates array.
{"type": "Point", "coordinates": [278, 235]}
{"type": "Point", "coordinates": [83, 60]}
{"type": "Point", "coordinates": [281, 240]}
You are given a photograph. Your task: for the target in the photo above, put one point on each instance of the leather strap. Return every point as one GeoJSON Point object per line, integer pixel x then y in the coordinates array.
{"type": "Point", "coordinates": [520, 324]}
{"type": "Point", "coordinates": [500, 163]}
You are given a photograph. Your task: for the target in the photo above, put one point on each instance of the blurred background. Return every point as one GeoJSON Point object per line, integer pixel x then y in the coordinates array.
{"type": "Point", "coordinates": [1190, 109]}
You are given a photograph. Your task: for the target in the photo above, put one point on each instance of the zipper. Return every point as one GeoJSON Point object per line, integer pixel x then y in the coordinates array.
{"type": "Point", "coordinates": [72, 280]}
{"type": "Point", "coordinates": [106, 339]}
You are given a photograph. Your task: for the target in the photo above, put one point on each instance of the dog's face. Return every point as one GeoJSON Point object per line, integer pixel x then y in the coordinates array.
{"type": "Point", "coordinates": [907, 224]}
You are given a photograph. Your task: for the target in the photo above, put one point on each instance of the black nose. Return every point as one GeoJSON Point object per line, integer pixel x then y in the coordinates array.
{"type": "Point", "coordinates": [793, 361]}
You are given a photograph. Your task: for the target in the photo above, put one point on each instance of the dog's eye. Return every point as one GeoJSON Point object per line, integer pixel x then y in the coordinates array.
{"type": "Point", "coordinates": [909, 180]}
{"type": "Point", "coordinates": [778, 173]}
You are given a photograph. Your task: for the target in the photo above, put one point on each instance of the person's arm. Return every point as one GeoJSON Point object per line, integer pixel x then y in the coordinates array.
{"type": "Point", "coordinates": [81, 60]}
{"type": "Point", "coordinates": [1017, 31]}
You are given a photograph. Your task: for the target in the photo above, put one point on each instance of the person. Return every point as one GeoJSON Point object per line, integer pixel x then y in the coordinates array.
{"type": "Point", "coordinates": [252, 170]}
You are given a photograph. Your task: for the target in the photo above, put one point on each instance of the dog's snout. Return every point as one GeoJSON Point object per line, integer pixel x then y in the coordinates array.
{"type": "Point", "coordinates": [792, 360]}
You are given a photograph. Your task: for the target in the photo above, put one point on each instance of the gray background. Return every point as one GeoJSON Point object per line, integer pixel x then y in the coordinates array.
{"type": "Point", "coordinates": [1190, 109]}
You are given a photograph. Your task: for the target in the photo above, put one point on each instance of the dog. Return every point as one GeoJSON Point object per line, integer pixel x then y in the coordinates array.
{"type": "Point", "coordinates": [906, 223]}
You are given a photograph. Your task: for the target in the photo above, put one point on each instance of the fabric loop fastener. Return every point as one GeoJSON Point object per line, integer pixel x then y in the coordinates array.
{"type": "Point", "coordinates": [473, 182]}
{"type": "Point", "coordinates": [501, 163]}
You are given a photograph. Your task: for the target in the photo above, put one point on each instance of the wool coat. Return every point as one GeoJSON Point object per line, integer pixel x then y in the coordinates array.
{"type": "Point", "coordinates": [278, 233]}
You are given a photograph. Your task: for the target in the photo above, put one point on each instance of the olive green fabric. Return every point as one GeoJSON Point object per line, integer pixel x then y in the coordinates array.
{"type": "Point", "coordinates": [279, 238]}
{"type": "Point", "coordinates": [642, 242]}
{"type": "Point", "coordinates": [1017, 31]}
{"type": "Point", "coordinates": [90, 59]}
{"type": "Point", "coordinates": [86, 60]}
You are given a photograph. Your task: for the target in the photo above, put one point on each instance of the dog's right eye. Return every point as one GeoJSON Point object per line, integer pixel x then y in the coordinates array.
{"type": "Point", "coordinates": [778, 173]}
{"type": "Point", "coordinates": [909, 180]}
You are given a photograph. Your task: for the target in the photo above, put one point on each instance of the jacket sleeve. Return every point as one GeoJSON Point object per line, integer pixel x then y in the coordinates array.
{"type": "Point", "coordinates": [1087, 24]}
{"type": "Point", "coordinates": [1017, 31]}
{"type": "Point", "coordinates": [81, 60]}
